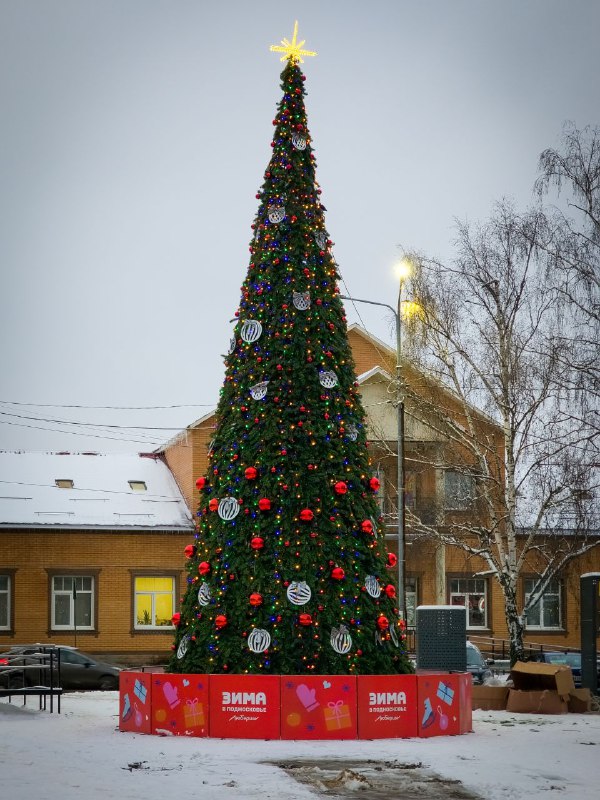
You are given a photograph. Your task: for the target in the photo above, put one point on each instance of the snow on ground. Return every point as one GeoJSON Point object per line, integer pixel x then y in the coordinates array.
{"type": "Point", "coordinates": [82, 754]}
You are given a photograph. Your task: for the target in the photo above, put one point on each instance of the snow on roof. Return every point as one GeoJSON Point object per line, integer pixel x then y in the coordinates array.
{"type": "Point", "coordinates": [108, 491]}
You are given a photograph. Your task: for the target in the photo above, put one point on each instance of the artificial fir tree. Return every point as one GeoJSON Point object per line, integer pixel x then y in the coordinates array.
{"type": "Point", "coordinates": [289, 573]}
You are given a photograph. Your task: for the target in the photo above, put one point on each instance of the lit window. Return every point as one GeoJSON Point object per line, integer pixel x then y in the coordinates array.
{"type": "Point", "coordinates": [547, 612]}
{"type": "Point", "coordinates": [137, 486]}
{"type": "Point", "coordinates": [72, 602]}
{"type": "Point", "coordinates": [5, 589]}
{"type": "Point", "coordinates": [64, 483]}
{"type": "Point", "coordinates": [458, 490]}
{"type": "Point", "coordinates": [154, 601]}
{"type": "Point", "coordinates": [472, 594]}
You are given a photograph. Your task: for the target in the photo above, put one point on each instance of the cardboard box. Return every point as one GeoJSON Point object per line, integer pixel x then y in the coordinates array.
{"type": "Point", "coordinates": [580, 701]}
{"type": "Point", "coordinates": [318, 707]}
{"type": "Point", "coordinates": [545, 701]}
{"type": "Point", "coordinates": [387, 706]}
{"type": "Point", "coordinates": [489, 698]}
{"type": "Point", "coordinates": [532, 676]}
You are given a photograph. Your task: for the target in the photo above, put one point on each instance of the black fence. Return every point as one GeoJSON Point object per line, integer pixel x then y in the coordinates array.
{"type": "Point", "coordinates": [33, 674]}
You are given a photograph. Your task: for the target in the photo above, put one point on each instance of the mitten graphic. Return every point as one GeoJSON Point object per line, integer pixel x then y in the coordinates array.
{"type": "Point", "coordinates": [307, 697]}
{"type": "Point", "coordinates": [170, 693]}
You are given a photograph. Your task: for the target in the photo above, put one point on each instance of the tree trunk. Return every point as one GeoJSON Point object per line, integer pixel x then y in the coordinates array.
{"type": "Point", "coordinates": [514, 625]}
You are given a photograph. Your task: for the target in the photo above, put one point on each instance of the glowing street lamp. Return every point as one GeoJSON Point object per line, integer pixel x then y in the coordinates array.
{"type": "Point", "coordinates": [403, 270]}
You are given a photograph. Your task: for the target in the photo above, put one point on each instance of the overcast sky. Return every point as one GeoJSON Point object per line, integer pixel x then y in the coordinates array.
{"type": "Point", "coordinates": [135, 134]}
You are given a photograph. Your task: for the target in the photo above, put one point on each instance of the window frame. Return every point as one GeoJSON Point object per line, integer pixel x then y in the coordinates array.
{"type": "Point", "coordinates": [70, 572]}
{"type": "Point", "coordinates": [152, 630]}
{"type": "Point", "coordinates": [561, 605]}
{"type": "Point", "coordinates": [9, 629]}
{"type": "Point", "coordinates": [469, 499]}
{"type": "Point", "coordinates": [415, 593]}
{"type": "Point", "coordinates": [487, 598]}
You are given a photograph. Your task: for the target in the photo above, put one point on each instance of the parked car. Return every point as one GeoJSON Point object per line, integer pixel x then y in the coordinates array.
{"type": "Point", "coordinates": [476, 664]}
{"type": "Point", "coordinates": [572, 660]}
{"type": "Point", "coordinates": [77, 670]}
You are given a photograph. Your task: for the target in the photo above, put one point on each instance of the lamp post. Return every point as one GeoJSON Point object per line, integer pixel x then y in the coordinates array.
{"type": "Point", "coordinates": [400, 437]}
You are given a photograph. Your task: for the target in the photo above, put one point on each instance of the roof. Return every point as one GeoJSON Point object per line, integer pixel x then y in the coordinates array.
{"type": "Point", "coordinates": [101, 495]}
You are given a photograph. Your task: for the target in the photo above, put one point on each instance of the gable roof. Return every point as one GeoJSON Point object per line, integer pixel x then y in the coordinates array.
{"type": "Point", "coordinates": [101, 496]}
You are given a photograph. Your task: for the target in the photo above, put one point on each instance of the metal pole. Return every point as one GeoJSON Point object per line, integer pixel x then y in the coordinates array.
{"type": "Point", "coordinates": [400, 465]}
{"type": "Point", "coordinates": [400, 444]}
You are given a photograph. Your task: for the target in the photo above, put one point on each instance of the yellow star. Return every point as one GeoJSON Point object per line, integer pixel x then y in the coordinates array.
{"type": "Point", "coordinates": [292, 51]}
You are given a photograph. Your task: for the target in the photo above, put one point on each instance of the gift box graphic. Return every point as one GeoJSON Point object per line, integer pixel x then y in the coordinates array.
{"type": "Point", "coordinates": [193, 713]}
{"type": "Point", "coordinates": [140, 691]}
{"type": "Point", "coordinates": [337, 716]}
{"type": "Point", "coordinates": [445, 693]}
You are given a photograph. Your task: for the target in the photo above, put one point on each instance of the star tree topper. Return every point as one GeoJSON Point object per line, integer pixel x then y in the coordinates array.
{"type": "Point", "coordinates": [292, 51]}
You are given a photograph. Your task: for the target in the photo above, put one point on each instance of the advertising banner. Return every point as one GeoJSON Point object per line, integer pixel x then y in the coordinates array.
{"type": "Point", "coordinates": [244, 706]}
{"type": "Point", "coordinates": [387, 706]}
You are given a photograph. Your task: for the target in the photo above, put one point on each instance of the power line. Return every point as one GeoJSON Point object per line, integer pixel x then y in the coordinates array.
{"type": "Point", "coordinates": [78, 433]}
{"type": "Point", "coordinates": [91, 424]}
{"type": "Point", "coordinates": [117, 408]}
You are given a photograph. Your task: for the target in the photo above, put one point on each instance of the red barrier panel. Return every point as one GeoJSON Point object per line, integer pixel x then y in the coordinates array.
{"type": "Point", "coordinates": [135, 701]}
{"type": "Point", "coordinates": [318, 707]}
{"type": "Point", "coordinates": [444, 703]}
{"type": "Point", "coordinates": [180, 705]}
{"type": "Point", "coordinates": [244, 706]}
{"type": "Point", "coordinates": [387, 706]}
{"type": "Point", "coordinates": [296, 706]}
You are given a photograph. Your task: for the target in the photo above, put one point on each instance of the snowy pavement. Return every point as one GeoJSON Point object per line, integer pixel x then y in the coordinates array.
{"type": "Point", "coordinates": [82, 754]}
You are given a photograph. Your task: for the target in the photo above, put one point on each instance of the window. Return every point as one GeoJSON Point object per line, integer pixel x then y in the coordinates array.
{"type": "Point", "coordinates": [410, 594]}
{"type": "Point", "coordinates": [380, 497]}
{"type": "Point", "coordinates": [72, 605]}
{"type": "Point", "coordinates": [5, 602]}
{"type": "Point", "coordinates": [137, 486]}
{"type": "Point", "coordinates": [64, 483]}
{"type": "Point", "coordinates": [410, 490]}
{"type": "Point", "coordinates": [472, 594]}
{"type": "Point", "coordinates": [547, 612]}
{"type": "Point", "coordinates": [154, 601]}
{"type": "Point", "coordinates": [458, 490]}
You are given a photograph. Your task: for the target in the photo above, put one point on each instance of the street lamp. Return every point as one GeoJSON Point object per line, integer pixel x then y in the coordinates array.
{"type": "Point", "coordinates": [403, 272]}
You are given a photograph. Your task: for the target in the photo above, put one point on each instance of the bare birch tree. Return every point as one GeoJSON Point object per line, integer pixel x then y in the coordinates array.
{"type": "Point", "coordinates": [491, 319]}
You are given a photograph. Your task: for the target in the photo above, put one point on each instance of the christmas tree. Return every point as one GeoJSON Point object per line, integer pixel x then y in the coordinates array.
{"type": "Point", "coordinates": [289, 573]}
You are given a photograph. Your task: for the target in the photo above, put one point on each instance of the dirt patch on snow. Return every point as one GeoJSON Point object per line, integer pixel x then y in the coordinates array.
{"type": "Point", "coordinates": [373, 780]}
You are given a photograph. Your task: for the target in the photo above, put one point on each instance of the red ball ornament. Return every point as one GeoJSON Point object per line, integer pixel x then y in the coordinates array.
{"type": "Point", "coordinates": [220, 621]}
{"type": "Point", "coordinates": [341, 487]}
{"type": "Point", "coordinates": [257, 543]}
{"type": "Point", "coordinates": [383, 623]}
{"type": "Point", "coordinates": [264, 504]}
{"type": "Point", "coordinates": [200, 483]}
{"type": "Point", "coordinates": [176, 618]}
{"type": "Point", "coordinates": [190, 550]}
{"type": "Point", "coordinates": [306, 515]}
{"type": "Point", "coordinates": [390, 590]}
{"type": "Point", "coordinates": [214, 504]}
{"type": "Point", "coordinates": [305, 619]}
{"type": "Point", "coordinates": [338, 574]}
{"type": "Point", "coordinates": [392, 559]}
{"type": "Point", "coordinates": [366, 526]}
{"type": "Point", "coordinates": [256, 599]}
{"type": "Point", "coordinates": [204, 568]}
{"type": "Point", "coordinates": [374, 484]}
{"type": "Point", "coordinates": [251, 473]}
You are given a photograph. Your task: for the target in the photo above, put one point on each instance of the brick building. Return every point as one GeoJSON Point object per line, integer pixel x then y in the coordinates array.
{"type": "Point", "coordinates": [91, 547]}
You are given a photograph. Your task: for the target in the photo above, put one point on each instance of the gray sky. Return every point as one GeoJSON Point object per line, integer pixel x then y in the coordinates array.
{"type": "Point", "coordinates": [135, 134]}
